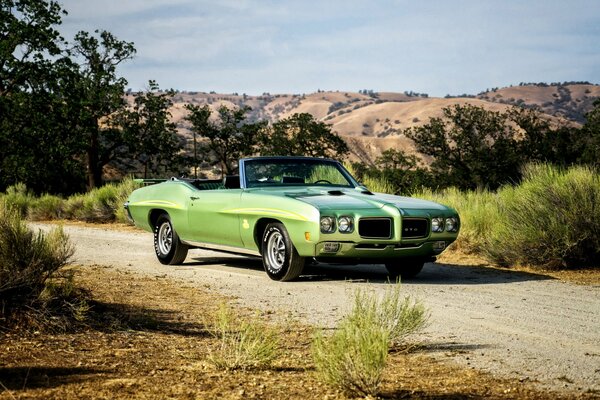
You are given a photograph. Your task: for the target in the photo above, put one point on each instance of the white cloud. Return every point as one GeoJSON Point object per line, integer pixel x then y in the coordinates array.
{"type": "Point", "coordinates": [298, 46]}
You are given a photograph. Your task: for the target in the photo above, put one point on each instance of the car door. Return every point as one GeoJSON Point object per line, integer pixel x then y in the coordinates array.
{"type": "Point", "coordinates": [213, 217]}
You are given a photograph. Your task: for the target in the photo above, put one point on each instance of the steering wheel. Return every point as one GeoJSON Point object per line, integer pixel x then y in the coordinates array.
{"type": "Point", "coordinates": [323, 181]}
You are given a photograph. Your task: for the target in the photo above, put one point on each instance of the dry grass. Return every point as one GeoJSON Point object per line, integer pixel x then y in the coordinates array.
{"type": "Point", "coordinates": [157, 346]}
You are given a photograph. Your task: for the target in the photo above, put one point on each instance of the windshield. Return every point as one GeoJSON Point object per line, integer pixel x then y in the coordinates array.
{"type": "Point", "coordinates": [295, 172]}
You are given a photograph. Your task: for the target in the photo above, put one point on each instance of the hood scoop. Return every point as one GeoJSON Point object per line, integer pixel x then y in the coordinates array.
{"type": "Point", "coordinates": [335, 192]}
{"type": "Point", "coordinates": [368, 192]}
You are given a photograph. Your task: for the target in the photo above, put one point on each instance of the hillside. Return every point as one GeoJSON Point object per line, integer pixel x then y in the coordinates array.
{"type": "Point", "coordinates": [371, 122]}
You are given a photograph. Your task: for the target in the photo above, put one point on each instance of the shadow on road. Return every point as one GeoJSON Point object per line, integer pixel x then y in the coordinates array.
{"type": "Point", "coordinates": [433, 273]}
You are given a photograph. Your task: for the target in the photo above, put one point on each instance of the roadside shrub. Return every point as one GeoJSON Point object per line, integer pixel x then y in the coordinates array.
{"type": "Point", "coordinates": [95, 206]}
{"type": "Point", "coordinates": [478, 211]}
{"type": "Point", "coordinates": [45, 208]}
{"type": "Point", "coordinates": [399, 316]}
{"type": "Point", "coordinates": [550, 220]}
{"type": "Point", "coordinates": [104, 204]}
{"type": "Point", "coordinates": [19, 198]}
{"type": "Point", "coordinates": [354, 356]}
{"type": "Point", "coordinates": [124, 189]}
{"type": "Point", "coordinates": [243, 343]}
{"type": "Point", "coordinates": [28, 260]}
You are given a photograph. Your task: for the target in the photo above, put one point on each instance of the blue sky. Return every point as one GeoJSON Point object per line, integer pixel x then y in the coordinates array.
{"type": "Point", "coordinates": [428, 46]}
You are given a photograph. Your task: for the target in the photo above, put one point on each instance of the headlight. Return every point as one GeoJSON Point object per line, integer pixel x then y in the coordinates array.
{"type": "Point", "coordinates": [451, 224]}
{"type": "Point", "coordinates": [437, 224]}
{"type": "Point", "coordinates": [345, 224]}
{"type": "Point", "coordinates": [327, 224]}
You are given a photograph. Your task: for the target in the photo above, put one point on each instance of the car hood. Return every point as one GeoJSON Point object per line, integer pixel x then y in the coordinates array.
{"type": "Point", "coordinates": [355, 199]}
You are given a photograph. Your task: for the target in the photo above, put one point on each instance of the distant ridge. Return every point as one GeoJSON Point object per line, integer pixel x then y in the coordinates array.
{"type": "Point", "coordinates": [371, 122]}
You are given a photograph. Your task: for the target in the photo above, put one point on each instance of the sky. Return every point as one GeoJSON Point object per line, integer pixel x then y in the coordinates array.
{"type": "Point", "coordinates": [436, 47]}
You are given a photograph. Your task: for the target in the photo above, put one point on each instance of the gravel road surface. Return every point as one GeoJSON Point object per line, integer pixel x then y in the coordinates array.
{"type": "Point", "coordinates": [511, 324]}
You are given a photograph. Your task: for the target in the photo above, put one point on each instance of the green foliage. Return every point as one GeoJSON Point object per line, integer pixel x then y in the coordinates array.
{"type": "Point", "coordinates": [46, 207]}
{"type": "Point", "coordinates": [27, 259]}
{"type": "Point", "coordinates": [150, 136]}
{"type": "Point", "coordinates": [549, 220]}
{"type": "Point", "coordinates": [301, 135]}
{"type": "Point", "coordinates": [243, 343]}
{"type": "Point", "coordinates": [103, 204]}
{"type": "Point", "coordinates": [395, 173]}
{"type": "Point", "coordinates": [229, 138]}
{"type": "Point", "coordinates": [18, 198]}
{"type": "Point", "coordinates": [398, 315]}
{"type": "Point", "coordinates": [98, 95]}
{"type": "Point", "coordinates": [354, 356]}
{"type": "Point", "coordinates": [591, 134]}
{"type": "Point", "coordinates": [471, 147]}
{"type": "Point", "coordinates": [373, 183]}
{"type": "Point", "coordinates": [124, 189]}
{"type": "Point", "coordinates": [478, 212]}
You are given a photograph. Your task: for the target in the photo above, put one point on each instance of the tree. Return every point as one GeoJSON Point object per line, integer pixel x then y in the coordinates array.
{"type": "Point", "coordinates": [100, 95]}
{"type": "Point", "coordinates": [37, 143]}
{"type": "Point", "coordinates": [541, 141]}
{"type": "Point", "coordinates": [27, 37]}
{"type": "Point", "coordinates": [471, 147]}
{"type": "Point", "coordinates": [301, 135]}
{"type": "Point", "coordinates": [228, 137]}
{"type": "Point", "coordinates": [591, 136]}
{"type": "Point", "coordinates": [150, 137]}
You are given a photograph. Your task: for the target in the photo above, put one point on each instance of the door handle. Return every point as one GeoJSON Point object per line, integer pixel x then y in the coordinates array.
{"type": "Point", "coordinates": [194, 198]}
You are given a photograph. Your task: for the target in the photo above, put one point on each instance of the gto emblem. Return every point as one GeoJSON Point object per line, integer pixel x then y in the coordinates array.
{"type": "Point", "coordinates": [411, 229]}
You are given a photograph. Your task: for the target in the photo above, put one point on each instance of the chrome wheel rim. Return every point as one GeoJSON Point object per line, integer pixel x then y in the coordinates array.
{"type": "Point", "coordinates": [165, 238]}
{"type": "Point", "coordinates": [276, 251]}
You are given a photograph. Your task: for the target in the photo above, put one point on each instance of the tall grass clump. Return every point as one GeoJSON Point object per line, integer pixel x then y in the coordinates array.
{"type": "Point", "coordinates": [243, 343]}
{"type": "Point", "coordinates": [478, 211]}
{"type": "Point", "coordinates": [104, 204]}
{"type": "Point", "coordinates": [45, 208]}
{"type": "Point", "coordinates": [28, 262]}
{"type": "Point", "coordinates": [378, 185]}
{"type": "Point", "coordinates": [353, 358]}
{"type": "Point", "coordinates": [124, 189]}
{"type": "Point", "coordinates": [19, 198]}
{"type": "Point", "coordinates": [550, 220]}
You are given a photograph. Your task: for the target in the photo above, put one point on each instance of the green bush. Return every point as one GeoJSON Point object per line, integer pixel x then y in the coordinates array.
{"type": "Point", "coordinates": [18, 198]}
{"type": "Point", "coordinates": [104, 204]}
{"type": "Point", "coordinates": [398, 315]}
{"type": "Point", "coordinates": [354, 356]}
{"type": "Point", "coordinates": [478, 211]}
{"type": "Point", "coordinates": [45, 208]}
{"type": "Point", "coordinates": [243, 343]}
{"type": "Point", "coordinates": [550, 220]}
{"type": "Point", "coordinates": [124, 189]}
{"type": "Point", "coordinates": [27, 259]}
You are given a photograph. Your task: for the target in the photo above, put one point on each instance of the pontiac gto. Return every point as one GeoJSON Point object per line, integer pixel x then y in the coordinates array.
{"type": "Point", "coordinates": [289, 211]}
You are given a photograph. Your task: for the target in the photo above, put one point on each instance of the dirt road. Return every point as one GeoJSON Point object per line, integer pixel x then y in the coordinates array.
{"type": "Point", "coordinates": [508, 323]}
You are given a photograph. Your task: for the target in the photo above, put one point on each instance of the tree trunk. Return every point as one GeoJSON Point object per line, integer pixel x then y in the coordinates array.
{"type": "Point", "coordinates": [94, 169]}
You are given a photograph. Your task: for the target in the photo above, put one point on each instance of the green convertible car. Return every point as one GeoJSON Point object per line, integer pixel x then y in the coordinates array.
{"type": "Point", "coordinates": [290, 211]}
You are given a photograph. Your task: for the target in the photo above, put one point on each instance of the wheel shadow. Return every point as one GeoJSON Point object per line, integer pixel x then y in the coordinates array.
{"type": "Point", "coordinates": [432, 274]}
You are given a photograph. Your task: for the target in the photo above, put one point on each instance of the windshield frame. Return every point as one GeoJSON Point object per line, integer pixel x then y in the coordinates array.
{"type": "Point", "coordinates": [352, 183]}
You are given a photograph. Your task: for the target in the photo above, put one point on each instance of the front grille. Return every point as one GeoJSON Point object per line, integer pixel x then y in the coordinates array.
{"type": "Point", "coordinates": [414, 228]}
{"type": "Point", "coordinates": [375, 228]}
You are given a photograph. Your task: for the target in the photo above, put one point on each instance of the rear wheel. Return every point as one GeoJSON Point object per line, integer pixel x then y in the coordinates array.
{"type": "Point", "coordinates": [280, 258]}
{"type": "Point", "coordinates": [406, 268]}
{"type": "Point", "coordinates": [169, 249]}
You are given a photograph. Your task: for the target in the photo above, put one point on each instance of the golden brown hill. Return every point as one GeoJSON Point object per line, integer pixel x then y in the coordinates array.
{"type": "Point", "coordinates": [373, 122]}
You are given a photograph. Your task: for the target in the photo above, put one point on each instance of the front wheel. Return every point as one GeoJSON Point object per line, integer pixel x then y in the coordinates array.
{"type": "Point", "coordinates": [406, 268]}
{"type": "Point", "coordinates": [280, 258]}
{"type": "Point", "coordinates": [169, 249]}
